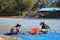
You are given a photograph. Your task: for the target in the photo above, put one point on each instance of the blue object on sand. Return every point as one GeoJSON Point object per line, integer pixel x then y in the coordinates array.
{"type": "Point", "coordinates": [49, 36]}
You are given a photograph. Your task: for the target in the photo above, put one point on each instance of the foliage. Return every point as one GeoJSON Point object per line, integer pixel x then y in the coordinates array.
{"type": "Point", "coordinates": [15, 5]}
{"type": "Point", "coordinates": [40, 4]}
{"type": "Point", "coordinates": [24, 4]}
{"type": "Point", "coordinates": [4, 4]}
{"type": "Point", "coordinates": [58, 4]}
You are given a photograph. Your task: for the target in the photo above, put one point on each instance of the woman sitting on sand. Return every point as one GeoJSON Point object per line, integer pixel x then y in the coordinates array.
{"type": "Point", "coordinates": [16, 29]}
{"type": "Point", "coordinates": [45, 28]}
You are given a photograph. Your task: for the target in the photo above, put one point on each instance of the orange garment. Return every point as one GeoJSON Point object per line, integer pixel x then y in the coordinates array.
{"type": "Point", "coordinates": [35, 30]}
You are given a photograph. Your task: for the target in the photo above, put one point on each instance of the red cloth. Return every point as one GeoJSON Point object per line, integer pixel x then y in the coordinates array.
{"type": "Point", "coordinates": [35, 30]}
{"type": "Point", "coordinates": [14, 32]}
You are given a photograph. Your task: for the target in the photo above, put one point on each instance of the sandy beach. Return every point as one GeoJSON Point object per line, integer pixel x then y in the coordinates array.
{"type": "Point", "coordinates": [3, 37]}
{"type": "Point", "coordinates": [6, 28]}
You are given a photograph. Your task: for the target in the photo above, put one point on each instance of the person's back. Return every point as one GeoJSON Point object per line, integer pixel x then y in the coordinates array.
{"type": "Point", "coordinates": [47, 27]}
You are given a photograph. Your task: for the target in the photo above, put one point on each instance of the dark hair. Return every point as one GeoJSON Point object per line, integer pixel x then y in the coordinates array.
{"type": "Point", "coordinates": [18, 25]}
{"type": "Point", "coordinates": [42, 23]}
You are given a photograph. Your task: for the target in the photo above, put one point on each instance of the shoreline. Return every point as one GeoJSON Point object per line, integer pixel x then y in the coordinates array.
{"type": "Point", "coordinates": [28, 17]}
